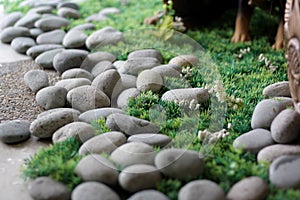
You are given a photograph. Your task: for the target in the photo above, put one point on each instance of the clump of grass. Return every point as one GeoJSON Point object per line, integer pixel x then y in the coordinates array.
{"type": "Point", "coordinates": [100, 126]}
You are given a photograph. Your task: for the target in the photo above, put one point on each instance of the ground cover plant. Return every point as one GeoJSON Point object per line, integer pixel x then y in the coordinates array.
{"type": "Point", "coordinates": [245, 69]}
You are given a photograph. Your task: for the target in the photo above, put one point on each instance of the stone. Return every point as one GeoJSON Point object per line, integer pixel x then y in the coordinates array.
{"type": "Point", "coordinates": [41, 10]}
{"type": "Point", "coordinates": [36, 80]}
{"type": "Point", "coordinates": [74, 39]}
{"type": "Point", "coordinates": [102, 67]}
{"type": "Point", "coordinates": [68, 13]}
{"type": "Point", "coordinates": [45, 59]}
{"type": "Point", "coordinates": [253, 141]}
{"type": "Point", "coordinates": [83, 27]}
{"type": "Point", "coordinates": [10, 33]}
{"type": "Point", "coordinates": [36, 50]}
{"type": "Point", "coordinates": [35, 32]}
{"type": "Point", "coordinates": [96, 17]}
{"type": "Point", "coordinates": [201, 189]}
{"type": "Point", "coordinates": [266, 111]}
{"type": "Point", "coordinates": [269, 153]}
{"type": "Point", "coordinates": [134, 66]}
{"type": "Point", "coordinates": [51, 37]}
{"type": "Point", "coordinates": [10, 19]}
{"type": "Point", "coordinates": [149, 80]}
{"type": "Point", "coordinates": [104, 36]}
{"type": "Point", "coordinates": [93, 58]}
{"type": "Point", "coordinates": [124, 97]}
{"type": "Point", "coordinates": [86, 97]}
{"type": "Point", "coordinates": [77, 73]}
{"type": "Point", "coordinates": [95, 167]}
{"type": "Point", "coordinates": [128, 81]}
{"type": "Point", "coordinates": [279, 89]}
{"type": "Point", "coordinates": [176, 163]}
{"type": "Point", "coordinates": [95, 114]}
{"type": "Point", "coordinates": [79, 130]}
{"type": "Point", "coordinates": [109, 11]}
{"type": "Point", "coordinates": [148, 195]}
{"type": "Point", "coordinates": [139, 177]}
{"type": "Point", "coordinates": [72, 83]}
{"type": "Point", "coordinates": [119, 64]}
{"type": "Point", "coordinates": [109, 82]}
{"type": "Point", "coordinates": [133, 153]}
{"type": "Point", "coordinates": [22, 44]}
{"type": "Point", "coordinates": [132, 126]}
{"type": "Point", "coordinates": [28, 20]}
{"type": "Point", "coordinates": [14, 131]}
{"type": "Point", "coordinates": [68, 5]}
{"type": "Point", "coordinates": [284, 172]}
{"type": "Point", "coordinates": [50, 121]}
{"type": "Point", "coordinates": [250, 188]}
{"type": "Point", "coordinates": [146, 53]}
{"type": "Point", "coordinates": [92, 190]}
{"type": "Point", "coordinates": [51, 23]}
{"type": "Point", "coordinates": [68, 59]}
{"type": "Point", "coordinates": [166, 71]}
{"type": "Point", "coordinates": [285, 128]}
{"type": "Point", "coordinates": [184, 60]}
{"type": "Point", "coordinates": [51, 97]}
{"type": "Point", "coordinates": [158, 140]}
{"type": "Point", "coordinates": [45, 188]}
{"type": "Point", "coordinates": [201, 95]}
{"type": "Point", "coordinates": [103, 143]}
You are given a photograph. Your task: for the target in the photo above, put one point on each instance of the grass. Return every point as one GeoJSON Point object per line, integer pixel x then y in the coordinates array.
{"type": "Point", "coordinates": [242, 73]}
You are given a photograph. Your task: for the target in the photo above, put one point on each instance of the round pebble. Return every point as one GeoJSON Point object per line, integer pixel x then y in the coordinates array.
{"type": "Point", "coordinates": [95, 114]}
{"type": "Point", "coordinates": [149, 80]}
{"type": "Point", "coordinates": [159, 140]}
{"type": "Point", "coordinates": [269, 153]}
{"type": "Point", "coordinates": [72, 83]}
{"type": "Point", "coordinates": [14, 131]}
{"type": "Point", "coordinates": [279, 89]}
{"type": "Point", "coordinates": [77, 73]}
{"type": "Point", "coordinates": [148, 195]}
{"type": "Point", "coordinates": [51, 97]}
{"type": "Point", "coordinates": [36, 80]}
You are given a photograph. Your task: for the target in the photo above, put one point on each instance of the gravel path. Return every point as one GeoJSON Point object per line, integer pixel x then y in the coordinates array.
{"type": "Point", "coordinates": [16, 99]}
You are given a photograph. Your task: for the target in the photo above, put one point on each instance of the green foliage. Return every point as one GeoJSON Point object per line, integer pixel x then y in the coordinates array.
{"type": "Point", "coordinates": [170, 187]}
{"type": "Point", "coordinates": [100, 126]}
{"type": "Point", "coordinates": [13, 5]}
{"type": "Point", "coordinates": [57, 161]}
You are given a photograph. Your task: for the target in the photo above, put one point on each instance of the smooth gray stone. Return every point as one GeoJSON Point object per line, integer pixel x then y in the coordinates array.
{"type": "Point", "coordinates": [51, 23]}
{"type": "Point", "coordinates": [128, 81]}
{"type": "Point", "coordinates": [201, 95]}
{"type": "Point", "coordinates": [146, 53]}
{"type": "Point", "coordinates": [86, 98]}
{"type": "Point", "coordinates": [22, 44]}
{"type": "Point", "coordinates": [119, 64]}
{"type": "Point", "coordinates": [133, 153]}
{"type": "Point", "coordinates": [83, 27]}
{"type": "Point", "coordinates": [152, 139]}
{"type": "Point", "coordinates": [74, 39]}
{"type": "Point", "coordinates": [68, 59]}
{"type": "Point", "coordinates": [93, 191]}
{"type": "Point", "coordinates": [253, 141]}
{"type": "Point", "coordinates": [124, 97]}
{"type": "Point", "coordinates": [284, 172]}
{"type": "Point", "coordinates": [139, 177]}
{"type": "Point", "coordinates": [109, 11]}
{"type": "Point", "coordinates": [10, 19]}
{"type": "Point", "coordinates": [45, 59]}
{"type": "Point", "coordinates": [28, 20]}
{"type": "Point", "coordinates": [77, 73]}
{"type": "Point", "coordinates": [14, 131]}
{"type": "Point", "coordinates": [148, 195]}
{"type": "Point", "coordinates": [270, 153]}
{"type": "Point", "coordinates": [201, 189]}
{"type": "Point", "coordinates": [51, 37]}
{"type": "Point", "coordinates": [102, 67]}
{"type": "Point", "coordinates": [51, 97]}
{"type": "Point", "coordinates": [72, 83]}
{"type": "Point", "coordinates": [184, 60]}
{"type": "Point", "coordinates": [149, 80]}
{"type": "Point", "coordinates": [96, 17]}
{"type": "Point", "coordinates": [36, 50]}
{"type": "Point", "coordinates": [79, 130]}
{"type": "Point", "coordinates": [252, 187]}
{"type": "Point", "coordinates": [36, 79]}
{"type": "Point", "coordinates": [41, 10]}
{"type": "Point", "coordinates": [95, 114]}
{"type": "Point", "coordinates": [50, 121]}
{"type": "Point", "coordinates": [279, 89]}
{"type": "Point", "coordinates": [109, 82]}
{"type": "Point", "coordinates": [285, 128]}
{"type": "Point", "coordinates": [104, 36]}
{"type": "Point", "coordinates": [35, 3]}
{"type": "Point", "coordinates": [130, 125]}
{"type": "Point", "coordinates": [68, 5]}
{"type": "Point", "coordinates": [45, 188]}
{"type": "Point", "coordinates": [95, 167]}
{"type": "Point", "coordinates": [266, 111]}
{"type": "Point", "coordinates": [93, 58]}
{"type": "Point", "coordinates": [68, 13]}
{"type": "Point", "coordinates": [10, 33]}
{"type": "Point", "coordinates": [103, 143]}
{"type": "Point", "coordinates": [35, 32]}
{"type": "Point", "coordinates": [167, 71]}
{"type": "Point", "coordinates": [175, 163]}
{"type": "Point", "coordinates": [136, 65]}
